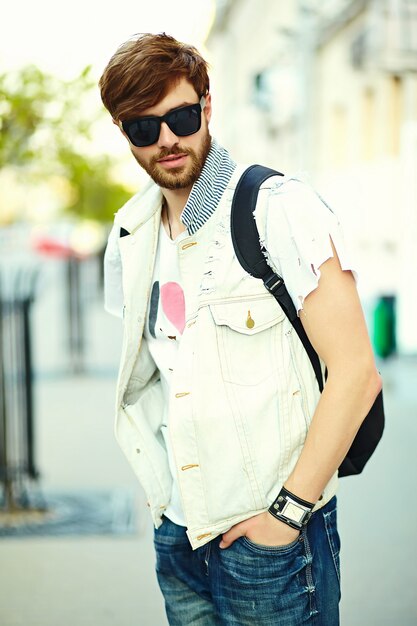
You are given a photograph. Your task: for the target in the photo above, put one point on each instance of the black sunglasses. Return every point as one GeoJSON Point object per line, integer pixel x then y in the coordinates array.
{"type": "Point", "coordinates": [144, 131]}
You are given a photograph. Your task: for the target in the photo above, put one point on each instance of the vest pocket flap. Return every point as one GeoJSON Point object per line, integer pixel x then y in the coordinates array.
{"type": "Point", "coordinates": [248, 316]}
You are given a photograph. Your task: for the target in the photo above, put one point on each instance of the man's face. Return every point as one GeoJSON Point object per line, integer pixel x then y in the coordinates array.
{"type": "Point", "coordinates": [175, 162]}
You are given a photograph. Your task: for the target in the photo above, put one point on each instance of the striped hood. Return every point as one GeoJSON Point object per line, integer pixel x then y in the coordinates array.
{"type": "Point", "coordinates": [209, 188]}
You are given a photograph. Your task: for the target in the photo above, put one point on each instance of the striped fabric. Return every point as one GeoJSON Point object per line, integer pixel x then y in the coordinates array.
{"type": "Point", "coordinates": [208, 189]}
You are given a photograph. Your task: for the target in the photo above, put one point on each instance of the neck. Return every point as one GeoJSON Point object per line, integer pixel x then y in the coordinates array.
{"type": "Point", "coordinates": [173, 205]}
{"type": "Point", "coordinates": [175, 200]}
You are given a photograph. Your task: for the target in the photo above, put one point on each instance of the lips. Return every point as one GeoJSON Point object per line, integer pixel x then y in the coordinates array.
{"type": "Point", "coordinates": [173, 160]}
{"type": "Point", "coordinates": [170, 157]}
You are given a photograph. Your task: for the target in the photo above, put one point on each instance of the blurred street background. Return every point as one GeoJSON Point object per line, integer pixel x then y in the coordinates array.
{"type": "Point", "coordinates": [326, 90]}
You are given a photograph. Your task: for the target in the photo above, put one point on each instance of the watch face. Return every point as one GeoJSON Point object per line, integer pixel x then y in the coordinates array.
{"type": "Point", "coordinates": [293, 511]}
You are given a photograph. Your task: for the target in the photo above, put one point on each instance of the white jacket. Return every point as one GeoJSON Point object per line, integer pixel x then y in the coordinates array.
{"type": "Point", "coordinates": [243, 394]}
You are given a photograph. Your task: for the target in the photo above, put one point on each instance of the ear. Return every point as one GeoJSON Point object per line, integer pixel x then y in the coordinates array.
{"type": "Point", "coordinates": [207, 108]}
{"type": "Point", "coordinates": [119, 126]}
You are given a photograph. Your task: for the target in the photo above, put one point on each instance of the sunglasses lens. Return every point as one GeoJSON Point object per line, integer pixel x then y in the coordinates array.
{"type": "Point", "coordinates": [185, 121]}
{"type": "Point", "coordinates": [142, 132]}
{"type": "Point", "coordinates": [182, 122]}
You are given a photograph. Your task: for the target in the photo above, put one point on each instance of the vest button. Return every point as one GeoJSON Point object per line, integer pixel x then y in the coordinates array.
{"type": "Point", "coordinates": [250, 323]}
{"type": "Point", "coordinates": [188, 245]}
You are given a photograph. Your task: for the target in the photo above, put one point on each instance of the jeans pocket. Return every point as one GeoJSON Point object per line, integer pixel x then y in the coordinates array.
{"type": "Point", "coordinates": [171, 543]}
{"type": "Point", "coordinates": [330, 524]}
{"type": "Point", "coordinates": [249, 563]}
{"type": "Point", "coordinates": [267, 584]}
{"type": "Point", "coordinates": [260, 548]}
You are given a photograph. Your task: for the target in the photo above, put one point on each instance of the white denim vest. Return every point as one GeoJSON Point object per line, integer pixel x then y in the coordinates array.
{"type": "Point", "coordinates": [243, 390]}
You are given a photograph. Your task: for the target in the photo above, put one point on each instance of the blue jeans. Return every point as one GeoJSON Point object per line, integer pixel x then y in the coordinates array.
{"type": "Point", "coordinates": [249, 584]}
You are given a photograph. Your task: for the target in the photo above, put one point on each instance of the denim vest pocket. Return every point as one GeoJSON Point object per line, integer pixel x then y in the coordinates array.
{"type": "Point", "coordinates": [247, 331]}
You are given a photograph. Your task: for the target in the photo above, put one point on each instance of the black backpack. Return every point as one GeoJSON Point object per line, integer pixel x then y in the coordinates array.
{"type": "Point", "coordinates": [245, 239]}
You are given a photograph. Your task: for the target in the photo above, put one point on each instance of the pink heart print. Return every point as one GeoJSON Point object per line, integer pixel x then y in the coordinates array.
{"type": "Point", "coordinates": [173, 304]}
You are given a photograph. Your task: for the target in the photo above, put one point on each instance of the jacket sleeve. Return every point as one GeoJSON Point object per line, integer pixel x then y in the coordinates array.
{"type": "Point", "coordinates": [296, 227]}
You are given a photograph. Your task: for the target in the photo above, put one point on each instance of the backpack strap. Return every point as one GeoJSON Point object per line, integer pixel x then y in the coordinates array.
{"type": "Point", "coordinates": [251, 255]}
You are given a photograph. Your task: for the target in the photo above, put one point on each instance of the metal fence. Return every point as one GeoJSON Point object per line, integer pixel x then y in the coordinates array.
{"type": "Point", "coordinates": [17, 436]}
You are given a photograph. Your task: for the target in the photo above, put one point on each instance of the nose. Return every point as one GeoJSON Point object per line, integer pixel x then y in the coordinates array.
{"type": "Point", "coordinates": [167, 138]}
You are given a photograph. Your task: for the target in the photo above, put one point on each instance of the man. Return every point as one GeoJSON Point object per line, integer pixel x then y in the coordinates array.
{"type": "Point", "coordinates": [218, 409]}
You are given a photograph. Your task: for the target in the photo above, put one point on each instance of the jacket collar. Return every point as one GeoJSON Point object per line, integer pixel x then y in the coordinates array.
{"type": "Point", "coordinates": [140, 208]}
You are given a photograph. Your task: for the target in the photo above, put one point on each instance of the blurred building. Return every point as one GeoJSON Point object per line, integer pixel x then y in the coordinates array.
{"type": "Point", "coordinates": [327, 89]}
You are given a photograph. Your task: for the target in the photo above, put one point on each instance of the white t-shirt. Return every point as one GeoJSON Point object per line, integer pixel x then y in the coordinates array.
{"type": "Point", "coordinates": [164, 327]}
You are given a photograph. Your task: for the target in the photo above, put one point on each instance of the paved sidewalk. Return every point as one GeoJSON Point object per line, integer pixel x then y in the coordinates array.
{"type": "Point", "coordinates": [79, 581]}
{"type": "Point", "coordinates": [110, 581]}
{"type": "Point", "coordinates": [378, 515]}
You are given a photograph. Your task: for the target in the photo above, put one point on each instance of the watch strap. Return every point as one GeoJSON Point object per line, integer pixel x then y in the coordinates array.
{"type": "Point", "coordinates": [291, 509]}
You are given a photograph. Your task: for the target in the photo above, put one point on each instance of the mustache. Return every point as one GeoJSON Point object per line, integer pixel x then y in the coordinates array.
{"type": "Point", "coordinates": [166, 152]}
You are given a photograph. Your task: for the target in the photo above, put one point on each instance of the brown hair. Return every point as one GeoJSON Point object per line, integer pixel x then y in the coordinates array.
{"type": "Point", "coordinates": [144, 68]}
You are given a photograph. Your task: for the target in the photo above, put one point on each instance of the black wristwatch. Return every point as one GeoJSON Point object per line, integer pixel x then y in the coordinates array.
{"type": "Point", "coordinates": [291, 509]}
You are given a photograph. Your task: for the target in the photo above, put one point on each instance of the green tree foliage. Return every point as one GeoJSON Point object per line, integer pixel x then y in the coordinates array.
{"type": "Point", "coordinates": [45, 131]}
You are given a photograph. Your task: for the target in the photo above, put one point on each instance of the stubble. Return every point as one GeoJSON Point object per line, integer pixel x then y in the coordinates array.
{"type": "Point", "coordinates": [178, 177]}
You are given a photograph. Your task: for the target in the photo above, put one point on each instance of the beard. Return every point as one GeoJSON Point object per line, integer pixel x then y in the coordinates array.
{"type": "Point", "coordinates": [178, 177]}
